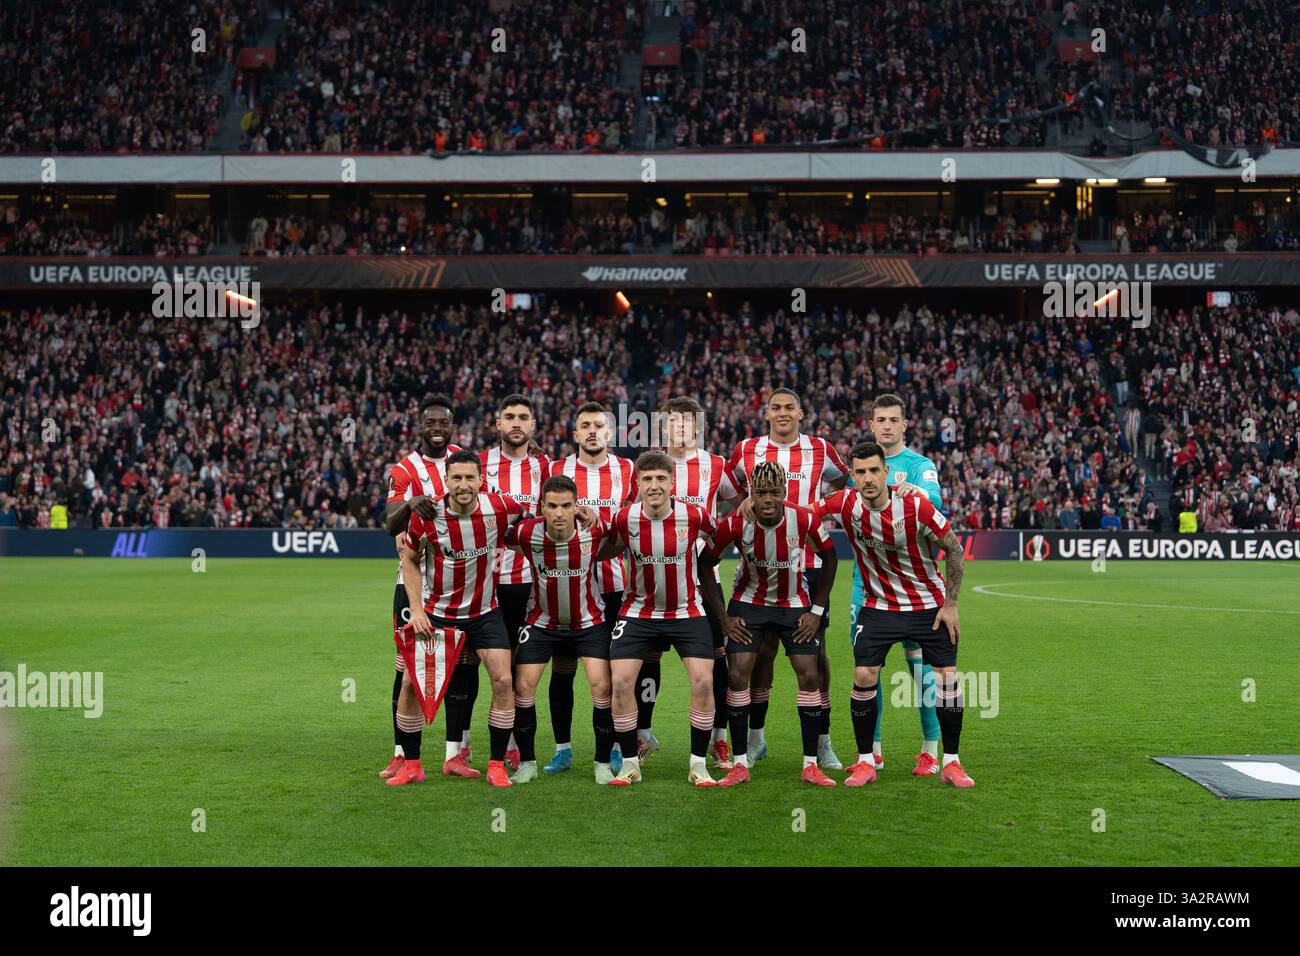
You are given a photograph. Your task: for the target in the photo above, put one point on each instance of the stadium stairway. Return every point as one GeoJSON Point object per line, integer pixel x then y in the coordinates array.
{"type": "Point", "coordinates": [229, 131]}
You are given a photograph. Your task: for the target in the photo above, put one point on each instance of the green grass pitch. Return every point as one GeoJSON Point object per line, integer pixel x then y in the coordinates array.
{"type": "Point", "coordinates": [225, 691]}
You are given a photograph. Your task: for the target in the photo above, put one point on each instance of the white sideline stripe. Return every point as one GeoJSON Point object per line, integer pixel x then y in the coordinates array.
{"type": "Point", "coordinates": [1268, 772]}
{"type": "Point", "coordinates": [984, 589]}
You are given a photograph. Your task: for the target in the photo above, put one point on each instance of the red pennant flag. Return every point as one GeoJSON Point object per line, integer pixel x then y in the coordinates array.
{"type": "Point", "coordinates": [430, 662]}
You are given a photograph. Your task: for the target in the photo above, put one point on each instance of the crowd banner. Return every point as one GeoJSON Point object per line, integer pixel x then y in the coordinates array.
{"type": "Point", "coordinates": [976, 545]}
{"type": "Point", "coordinates": [628, 273]}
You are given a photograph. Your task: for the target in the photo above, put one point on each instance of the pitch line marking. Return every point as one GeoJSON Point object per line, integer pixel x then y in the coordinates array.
{"type": "Point", "coordinates": [984, 589]}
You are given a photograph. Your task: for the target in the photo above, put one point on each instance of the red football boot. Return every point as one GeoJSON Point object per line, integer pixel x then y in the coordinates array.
{"type": "Point", "coordinates": [512, 760]}
{"type": "Point", "coordinates": [722, 755]}
{"type": "Point", "coordinates": [816, 776]}
{"type": "Point", "coordinates": [394, 765]}
{"type": "Point", "coordinates": [738, 774]}
{"type": "Point", "coordinates": [953, 774]}
{"type": "Point", "coordinates": [497, 775]}
{"type": "Point", "coordinates": [458, 767]}
{"type": "Point", "coordinates": [411, 772]}
{"type": "Point", "coordinates": [926, 766]}
{"type": "Point", "coordinates": [860, 774]}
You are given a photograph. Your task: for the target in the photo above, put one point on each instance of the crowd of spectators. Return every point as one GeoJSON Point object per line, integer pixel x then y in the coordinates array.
{"type": "Point", "coordinates": [1223, 72]}
{"type": "Point", "coordinates": [132, 421]}
{"type": "Point", "coordinates": [160, 235]}
{"type": "Point", "coordinates": [441, 75]}
{"type": "Point", "coordinates": [781, 231]}
{"type": "Point", "coordinates": [471, 230]}
{"type": "Point", "coordinates": [868, 71]}
{"type": "Point", "coordinates": [115, 77]}
{"type": "Point", "coordinates": [1264, 228]}
{"type": "Point", "coordinates": [1219, 392]}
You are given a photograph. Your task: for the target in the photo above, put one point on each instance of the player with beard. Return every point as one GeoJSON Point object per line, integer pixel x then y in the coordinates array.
{"type": "Point", "coordinates": [661, 608]}
{"type": "Point", "coordinates": [770, 594]}
{"type": "Point", "coordinates": [515, 469]}
{"type": "Point", "coordinates": [458, 590]}
{"type": "Point", "coordinates": [605, 483]}
{"type": "Point", "coordinates": [415, 485]}
{"type": "Point", "coordinates": [812, 466]}
{"type": "Point", "coordinates": [700, 479]}
{"type": "Point", "coordinates": [904, 599]}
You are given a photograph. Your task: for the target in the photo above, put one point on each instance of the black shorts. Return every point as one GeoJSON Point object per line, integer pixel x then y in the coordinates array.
{"type": "Point", "coordinates": [633, 638]}
{"type": "Point", "coordinates": [401, 608]}
{"type": "Point", "coordinates": [876, 631]}
{"type": "Point", "coordinates": [485, 632]}
{"type": "Point", "coordinates": [537, 644]}
{"type": "Point", "coordinates": [811, 577]}
{"type": "Point", "coordinates": [780, 621]}
{"type": "Point", "coordinates": [613, 604]}
{"type": "Point", "coordinates": [513, 601]}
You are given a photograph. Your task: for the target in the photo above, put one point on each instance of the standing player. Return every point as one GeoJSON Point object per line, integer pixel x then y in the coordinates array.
{"type": "Point", "coordinates": [811, 466]}
{"type": "Point", "coordinates": [605, 483]}
{"type": "Point", "coordinates": [460, 543]}
{"type": "Point", "coordinates": [910, 473]}
{"type": "Point", "coordinates": [771, 594]}
{"type": "Point", "coordinates": [509, 470]}
{"type": "Point", "coordinates": [700, 479]}
{"type": "Point", "coordinates": [661, 609]}
{"type": "Point", "coordinates": [564, 615]}
{"type": "Point", "coordinates": [415, 485]}
{"type": "Point", "coordinates": [905, 599]}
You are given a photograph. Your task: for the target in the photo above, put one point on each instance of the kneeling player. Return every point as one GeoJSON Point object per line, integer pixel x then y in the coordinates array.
{"type": "Point", "coordinates": [770, 595]}
{"type": "Point", "coordinates": [905, 599]}
{"type": "Point", "coordinates": [661, 609]}
{"type": "Point", "coordinates": [565, 617]}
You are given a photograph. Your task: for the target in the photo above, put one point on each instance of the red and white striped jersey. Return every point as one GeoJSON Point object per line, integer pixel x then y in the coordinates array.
{"type": "Point", "coordinates": [662, 584]}
{"type": "Point", "coordinates": [808, 462]}
{"type": "Point", "coordinates": [461, 551]}
{"type": "Point", "coordinates": [703, 479]}
{"type": "Point", "coordinates": [892, 548]}
{"type": "Point", "coordinates": [604, 489]}
{"type": "Point", "coordinates": [771, 568]}
{"type": "Point", "coordinates": [566, 596]}
{"type": "Point", "coordinates": [521, 480]}
{"type": "Point", "coordinates": [418, 475]}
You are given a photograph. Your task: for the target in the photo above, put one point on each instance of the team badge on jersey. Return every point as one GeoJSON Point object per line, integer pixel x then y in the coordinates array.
{"type": "Point", "coordinates": [898, 525]}
{"type": "Point", "coordinates": [490, 522]}
{"type": "Point", "coordinates": [900, 476]}
{"type": "Point", "coordinates": [792, 540]}
{"type": "Point", "coordinates": [585, 547]}
{"type": "Point", "coordinates": [681, 534]}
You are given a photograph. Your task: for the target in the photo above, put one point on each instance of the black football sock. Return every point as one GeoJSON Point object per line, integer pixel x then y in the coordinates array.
{"type": "Point", "coordinates": [471, 693]}
{"type": "Point", "coordinates": [808, 703]}
{"type": "Point", "coordinates": [948, 708]}
{"type": "Point", "coordinates": [526, 727]}
{"type": "Point", "coordinates": [625, 734]}
{"type": "Point", "coordinates": [862, 708]}
{"type": "Point", "coordinates": [758, 707]}
{"type": "Point", "coordinates": [457, 701]}
{"type": "Point", "coordinates": [647, 692]}
{"type": "Point", "coordinates": [701, 731]}
{"type": "Point", "coordinates": [720, 713]}
{"type": "Point", "coordinates": [602, 722]}
{"type": "Point", "coordinates": [397, 690]}
{"type": "Point", "coordinates": [501, 724]}
{"type": "Point", "coordinates": [560, 695]}
{"type": "Point", "coordinates": [411, 727]}
{"type": "Point", "coordinates": [738, 704]}
{"type": "Point", "coordinates": [824, 704]}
